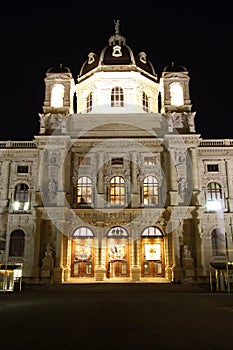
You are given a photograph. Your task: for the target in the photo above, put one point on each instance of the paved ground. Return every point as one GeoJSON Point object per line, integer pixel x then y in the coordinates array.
{"type": "Point", "coordinates": [116, 316]}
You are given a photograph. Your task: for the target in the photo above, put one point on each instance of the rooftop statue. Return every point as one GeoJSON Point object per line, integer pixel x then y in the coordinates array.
{"type": "Point", "coordinates": [117, 26]}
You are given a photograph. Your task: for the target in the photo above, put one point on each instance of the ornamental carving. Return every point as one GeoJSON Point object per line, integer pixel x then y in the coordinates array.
{"type": "Point", "coordinates": [52, 121]}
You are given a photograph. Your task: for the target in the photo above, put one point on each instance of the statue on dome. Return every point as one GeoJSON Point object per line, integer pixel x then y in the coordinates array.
{"type": "Point", "coordinates": [117, 26]}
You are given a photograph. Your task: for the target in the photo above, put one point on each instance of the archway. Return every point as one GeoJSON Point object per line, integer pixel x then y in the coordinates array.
{"type": "Point", "coordinates": [152, 257]}
{"type": "Point", "coordinates": [117, 252]}
{"type": "Point", "coordinates": [82, 262]}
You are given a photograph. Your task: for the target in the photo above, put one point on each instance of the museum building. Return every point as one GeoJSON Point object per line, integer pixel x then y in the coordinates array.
{"type": "Point", "coordinates": [117, 184]}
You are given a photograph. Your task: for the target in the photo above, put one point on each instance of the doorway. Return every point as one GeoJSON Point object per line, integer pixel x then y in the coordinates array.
{"type": "Point", "coordinates": [117, 253]}
{"type": "Point", "coordinates": [82, 253]}
{"type": "Point", "coordinates": [152, 256]}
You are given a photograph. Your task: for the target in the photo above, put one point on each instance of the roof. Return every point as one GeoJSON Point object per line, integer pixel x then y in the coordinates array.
{"type": "Point", "coordinates": [117, 56]}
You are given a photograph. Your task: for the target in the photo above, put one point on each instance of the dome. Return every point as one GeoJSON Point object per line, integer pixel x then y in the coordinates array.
{"type": "Point", "coordinates": [174, 68]}
{"type": "Point", "coordinates": [59, 69]}
{"type": "Point", "coordinates": [117, 56]}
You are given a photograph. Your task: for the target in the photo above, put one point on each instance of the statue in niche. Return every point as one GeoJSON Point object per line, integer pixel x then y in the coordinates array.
{"type": "Point", "coordinates": [52, 186]}
{"type": "Point", "coordinates": [180, 157]}
{"type": "Point", "coordinates": [182, 185]}
{"type": "Point", "coordinates": [48, 251]}
{"type": "Point", "coordinates": [186, 252]}
{"type": "Point", "coordinates": [75, 177]}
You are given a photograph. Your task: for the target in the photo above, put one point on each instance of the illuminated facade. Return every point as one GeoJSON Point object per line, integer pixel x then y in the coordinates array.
{"type": "Point", "coordinates": [117, 184]}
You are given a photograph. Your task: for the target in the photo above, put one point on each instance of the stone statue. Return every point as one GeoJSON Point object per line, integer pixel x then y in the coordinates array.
{"type": "Point", "coordinates": [48, 251]}
{"type": "Point", "coordinates": [182, 185]}
{"type": "Point", "coordinates": [186, 252]}
{"type": "Point", "coordinates": [117, 26]}
{"type": "Point", "coordinates": [52, 186]}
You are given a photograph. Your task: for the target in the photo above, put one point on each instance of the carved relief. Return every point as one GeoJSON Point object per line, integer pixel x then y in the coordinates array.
{"type": "Point", "coordinates": [52, 121]}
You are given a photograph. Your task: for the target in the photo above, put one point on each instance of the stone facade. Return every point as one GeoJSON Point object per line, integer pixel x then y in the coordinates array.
{"type": "Point", "coordinates": [120, 185]}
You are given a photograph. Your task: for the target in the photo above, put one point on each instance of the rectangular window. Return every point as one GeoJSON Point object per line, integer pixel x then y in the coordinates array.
{"type": "Point", "coordinates": [22, 169]}
{"type": "Point", "coordinates": [84, 161]}
{"type": "Point", "coordinates": [117, 161]}
{"type": "Point", "coordinates": [149, 160]}
{"type": "Point", "coordinates": [212, 168]}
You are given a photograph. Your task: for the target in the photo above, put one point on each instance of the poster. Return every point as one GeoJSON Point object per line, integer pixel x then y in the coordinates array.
{"type": "Point", "coordinates": [152, 251]}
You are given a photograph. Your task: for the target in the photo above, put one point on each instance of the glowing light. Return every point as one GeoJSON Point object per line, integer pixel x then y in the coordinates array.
{"type": "Point", "coordinates": [16, 205]}
{"type": "Point", "coordinates": [214, 206]}
{"type": "Point", "coordinates": [57, 95]}
{"type": "Point", "coordinates": [176, 91]}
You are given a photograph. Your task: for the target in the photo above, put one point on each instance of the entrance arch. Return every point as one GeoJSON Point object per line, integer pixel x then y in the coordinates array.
{"type": "Point", "coordinates": [117, 252]}
{"type": "Point", "coordinates": [82, 262]}
{"type": "Point", "coordinates": [152, 257]}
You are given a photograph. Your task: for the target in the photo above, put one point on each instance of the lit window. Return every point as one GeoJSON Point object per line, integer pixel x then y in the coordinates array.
{"type": "Point", "coordinates": [89, 103]}
{"type": "Point", "coordinates": [149, 160]}
{"type": "Point", "coordinates": [84, 191]}
{"type": "Point", "coordinates": [17, 241]}
{"type": "Point", "coordinates": [57, 95]}
{"type": "Point", "coordinates": [117, 97]}
{"type": "Point", "coordinates": [83, 232]}
{"type": "Point", "coordinates": [91, 57]}
{"type": "Point", "coordinates": [176, 92]}
{"type": "Point", "coordinates": [21, 197]}
{"type": "Point", "coordinates": [117, 191]}
{"type": "Point", "coordinates": [152, 231]}
{"type": "Point", "coordinates": [214, 197]}
{"type": "Point", "coordinates": [142, 57]}
{"type": "Point", "coordinates": [117, 232]}
{"type": "Point", "coordinates": [117, 51]}
{"type": "Point", "coordinates": [145, 102]}
{"type": "Point", "coordinates": [150, 191]}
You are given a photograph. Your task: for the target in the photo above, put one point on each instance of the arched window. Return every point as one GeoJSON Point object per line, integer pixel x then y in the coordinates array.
{"type": "Point", "coordinates": [57, 95]}
{"type": "Point", "coordinates": [117, 191]}
{"type": "Point", "coordinates": [17, 243]}
{"type": "Point", "coordinates": [214, 197]}
{"type": "Point", "coordinates": [117, 232]}
{"type": "Point", "coordinates": [152, 231]}
{"type": "Point", "coordinates": [83, 232]}
{"type": "Point", "coordinates": [84, 191]}
{"type": "Point", "coordinates": [117, 97]}
{"type": "Point", "coordinates": [21, 197]}
{"type": "Point", "coordinates": [176, 94]}
{"type": "Point", "coordinates": [218, 243]}
{"type": "Point", "coordinates": [89, 102]}
{"type": "Point", "coordinates": [145, 102]}
{"type": "Point", "coordinates": [150, 191]}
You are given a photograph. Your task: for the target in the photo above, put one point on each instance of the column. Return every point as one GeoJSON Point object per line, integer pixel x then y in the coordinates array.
{"type": "Point", "coordinates": [229, 184]}
{"type": "Point", "coordinates": [194, 169]}
{"type": "Point", "coordinates": [134, 172]}
{"type": "Point", "coordinates": [99, 268]}
{"type": "Point", "coordinates": [172, 179]}
{"type": "Point", "coordinates": [100, 172]}
{"type": "Point", "coordinates": [6, 177]}
{"type": "Point", "coordinates": [135, 268]}
{"type": "Point", "coordinates": [58, 268]}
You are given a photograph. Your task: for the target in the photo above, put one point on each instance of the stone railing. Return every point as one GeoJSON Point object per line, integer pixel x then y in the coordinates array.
{"type": "Point", "coordinates": [216, 143]}
{"type": "Point", "coordinates": [17, 144]}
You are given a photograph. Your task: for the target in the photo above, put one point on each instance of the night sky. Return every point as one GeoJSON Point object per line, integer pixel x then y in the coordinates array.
{"type": "Point", "coordinates": [36, 38]}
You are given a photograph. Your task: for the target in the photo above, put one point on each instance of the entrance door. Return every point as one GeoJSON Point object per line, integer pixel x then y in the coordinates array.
{"type": "Point", "coordinates": [117, 257]}
{"type": "Point", "coordinates": [83, 264]}
{"type": "Point", "coordinates": [152, 257]}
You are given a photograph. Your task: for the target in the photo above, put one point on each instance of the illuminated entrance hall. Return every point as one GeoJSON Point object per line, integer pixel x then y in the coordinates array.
{"type": "Point", "coordinates": [117, 185]}
{"type": "Point", "coordinates": [117, 248]}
